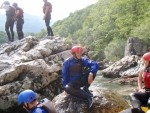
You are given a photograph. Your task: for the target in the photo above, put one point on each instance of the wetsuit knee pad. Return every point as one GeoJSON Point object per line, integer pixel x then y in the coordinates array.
{"type": "Point", "coordinates": [134, 101]}
{"type": "Point", "coordinates": [148, 103]}
{"type": "Point", "coordinates": [68, 88]}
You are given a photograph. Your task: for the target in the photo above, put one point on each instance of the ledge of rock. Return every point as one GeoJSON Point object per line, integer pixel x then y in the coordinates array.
{"type": "Point", "coordinates": [31, 64]}
{"type": "Point", "coordinates": [105, 101]}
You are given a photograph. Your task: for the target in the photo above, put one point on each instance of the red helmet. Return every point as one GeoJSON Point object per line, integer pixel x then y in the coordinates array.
{"type": "Point", "coordinates": [77, 49]}
{"type": "Point", "coordinates": [146, 56]}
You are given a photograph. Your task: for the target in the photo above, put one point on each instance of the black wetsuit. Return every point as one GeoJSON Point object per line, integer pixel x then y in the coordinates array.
{"type": "Point", "coordinates": [19, 25]}
{"type": "Point", "coordinates": [10, 23]}
{"type": "Point", "coordinates": [47, 19]}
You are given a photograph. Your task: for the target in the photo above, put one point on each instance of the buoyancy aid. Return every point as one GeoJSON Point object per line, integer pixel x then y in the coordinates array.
{"type": "Point", "coordinates": [20, 13]}
{"type": "Point", "coordinates": [75, 66]}
{"type": "Point", "coordinates": [47, 105]}
{"type": "Point", "coordinates": [49, 5]}
{"type": "Point", "coordinates": [146, 76]}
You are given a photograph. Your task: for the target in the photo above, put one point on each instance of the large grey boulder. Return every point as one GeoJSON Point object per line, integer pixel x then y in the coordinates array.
{"type": "Point", "coordinates": [105, 101]}
{"type": "Point", "coordinates": [129, 66]}
{"type": "Point", "coordinates": [31, 64]}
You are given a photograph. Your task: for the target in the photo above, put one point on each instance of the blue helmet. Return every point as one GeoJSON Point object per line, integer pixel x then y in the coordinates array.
{"type": "Point", "coordinates": [26, 96]}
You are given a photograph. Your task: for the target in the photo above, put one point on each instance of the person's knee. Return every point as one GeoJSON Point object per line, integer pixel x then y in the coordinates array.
{"type": "Point", "coordinates": [19, 31]}
{"type": "Point", "coordinates": [69, 89]}
{"type": "Point", "coordinates": [148, 103]}
{"type": "Point", "coordinates": [135, 102]}
{"type": "Point", "coordinates": [11, 30]}
{"type": "Point", "coordinates": [6, 29]}
{"type": "Point", "coordinates": [132, 96]}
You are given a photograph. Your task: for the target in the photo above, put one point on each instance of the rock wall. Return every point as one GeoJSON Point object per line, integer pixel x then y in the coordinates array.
{"type": "Point", "coordinates": [31, 64]}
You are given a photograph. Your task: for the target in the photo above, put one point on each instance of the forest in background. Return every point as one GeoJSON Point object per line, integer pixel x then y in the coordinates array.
{"type": "Point", "coordinates": [105, 26]}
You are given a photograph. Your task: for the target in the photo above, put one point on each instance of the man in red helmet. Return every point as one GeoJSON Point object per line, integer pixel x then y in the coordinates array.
{"type": "Point", "coordinates": [77, 73]}
{"type": "Point", "coordinates": [141, 97]}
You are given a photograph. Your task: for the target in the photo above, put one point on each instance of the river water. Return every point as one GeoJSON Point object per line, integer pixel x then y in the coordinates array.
{"type": "Point", "coordinates": [106, 83]}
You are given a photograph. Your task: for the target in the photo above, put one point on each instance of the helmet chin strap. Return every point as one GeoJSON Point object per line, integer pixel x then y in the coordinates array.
{"type": "Point", "coordinates": [27, 108]}
{"type": "Point", "coordinates": [74, 55]}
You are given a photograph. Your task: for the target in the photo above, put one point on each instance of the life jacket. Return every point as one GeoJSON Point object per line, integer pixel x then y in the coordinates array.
{"type": "Point", "coordinates": [11, 12]}
{"type": "Point", "coordinates": [78, 72]}
{"type": "Point", "coordinates": [20, 14]}
{"type": "Point", "coordinates": [49, 5]}
{"type": "Point", "coordinates": [47, 105]}
{"type": "Point", "coordinates": [146, 77]}
{"type": "Point", "coordinates": [75, 66]}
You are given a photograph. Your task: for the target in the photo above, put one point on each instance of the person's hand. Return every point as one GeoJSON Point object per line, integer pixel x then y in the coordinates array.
{"type": "Point", "coordinates": [142, 90]}
{"type": "Point", "coordinates": [90, 78]}
{"type": "Point", "coordinates": [65, 93]}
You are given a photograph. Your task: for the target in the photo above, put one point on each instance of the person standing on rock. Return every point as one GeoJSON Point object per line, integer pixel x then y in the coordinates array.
{"type": "Point", "coordinates": [77, 73]}
{"type": "Point", "coordinates": [19, 20]}
{"type": "Point", "coordinates": [47, 10]}
{"type": "Point", "coordinates": [10, 18]}
{"type": "Point", "coordinates": [141, 97]}
{"type": "Point", "coordinates": [28, 100]}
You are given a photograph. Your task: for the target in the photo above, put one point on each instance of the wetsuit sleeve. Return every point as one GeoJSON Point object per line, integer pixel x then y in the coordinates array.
{"type": "Point", "coordinates": [91, 64]}
{"type": "Point", "coordinates": [39, 110]}
{"type": "Point", "coordinates": [5, 7]}
{"type": "Point", "coordinates": [65, 75]}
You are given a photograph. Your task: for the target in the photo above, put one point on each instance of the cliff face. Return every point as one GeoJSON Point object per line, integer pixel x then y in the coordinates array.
{"type": "Point", "coordinates": [31, 64]}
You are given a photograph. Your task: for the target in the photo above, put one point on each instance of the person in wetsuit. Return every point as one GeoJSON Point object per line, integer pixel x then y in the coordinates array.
{"type": "Point", "coordinates": [141, 97]}
{"type": "Point", "coordinates": [19, 21]}
{"type": "Point", "coordinates": [28, 100]}
{"type": "Point", "coordinates": [77, 73]}
{"type": "Point", "coordinates": [47, 10]}
{"type": "Point", "coordinates": [10, 18]}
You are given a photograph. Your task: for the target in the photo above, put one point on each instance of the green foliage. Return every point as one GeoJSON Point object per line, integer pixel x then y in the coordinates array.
{"type": "Point", "coordinates": [115, 49]}
{"type": "Point", "coordinates": [103, 24]}
{"type": "Point", "coordinates": [41, 34]}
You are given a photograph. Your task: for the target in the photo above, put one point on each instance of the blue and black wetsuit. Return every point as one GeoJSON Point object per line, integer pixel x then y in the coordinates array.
{"type": "Point", "coordinates": [39, 110]}
{"type": "Point", "coordinates": [74, 76]}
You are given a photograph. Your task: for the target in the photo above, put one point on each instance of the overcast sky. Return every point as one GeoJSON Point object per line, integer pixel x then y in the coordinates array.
{"type": "Point", "coordinates": [61, 8]}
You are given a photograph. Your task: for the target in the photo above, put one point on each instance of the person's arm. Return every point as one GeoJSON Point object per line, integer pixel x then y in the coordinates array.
{"type": "Point", "coordinates": [65, 76]}
{"type": "Point", "coordinates": [17, 12]}
{"type": "Point", "coordinates": [93, 69]}
{"type": "Point", "coordinates": [2, 6]}
{"type": "Point", "coordinates": [140, 79]}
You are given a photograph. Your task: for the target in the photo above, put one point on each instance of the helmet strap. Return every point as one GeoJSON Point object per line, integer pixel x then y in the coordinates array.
{"type": "Point", "coordinates": [74, 55]}
{"type": "Point", "coordinates": [27, 108]}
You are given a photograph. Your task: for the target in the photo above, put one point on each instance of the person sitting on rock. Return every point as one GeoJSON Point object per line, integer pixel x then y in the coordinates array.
{"type": "Point", "coordinates": [141, 97]}
{"type": "Point", "coordinates": [28, 100]}
{"type": "Point", "coordinates": [79, 72]}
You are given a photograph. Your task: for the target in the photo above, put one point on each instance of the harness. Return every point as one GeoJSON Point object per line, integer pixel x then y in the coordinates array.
{"type": "Point", "coordinates": [78, 68]}
{"type": "Point", "coordinates": [47, 105]}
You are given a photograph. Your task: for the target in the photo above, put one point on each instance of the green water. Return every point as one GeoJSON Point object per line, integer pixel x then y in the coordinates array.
{"type": "Point", "coordinates": [106, 83]}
